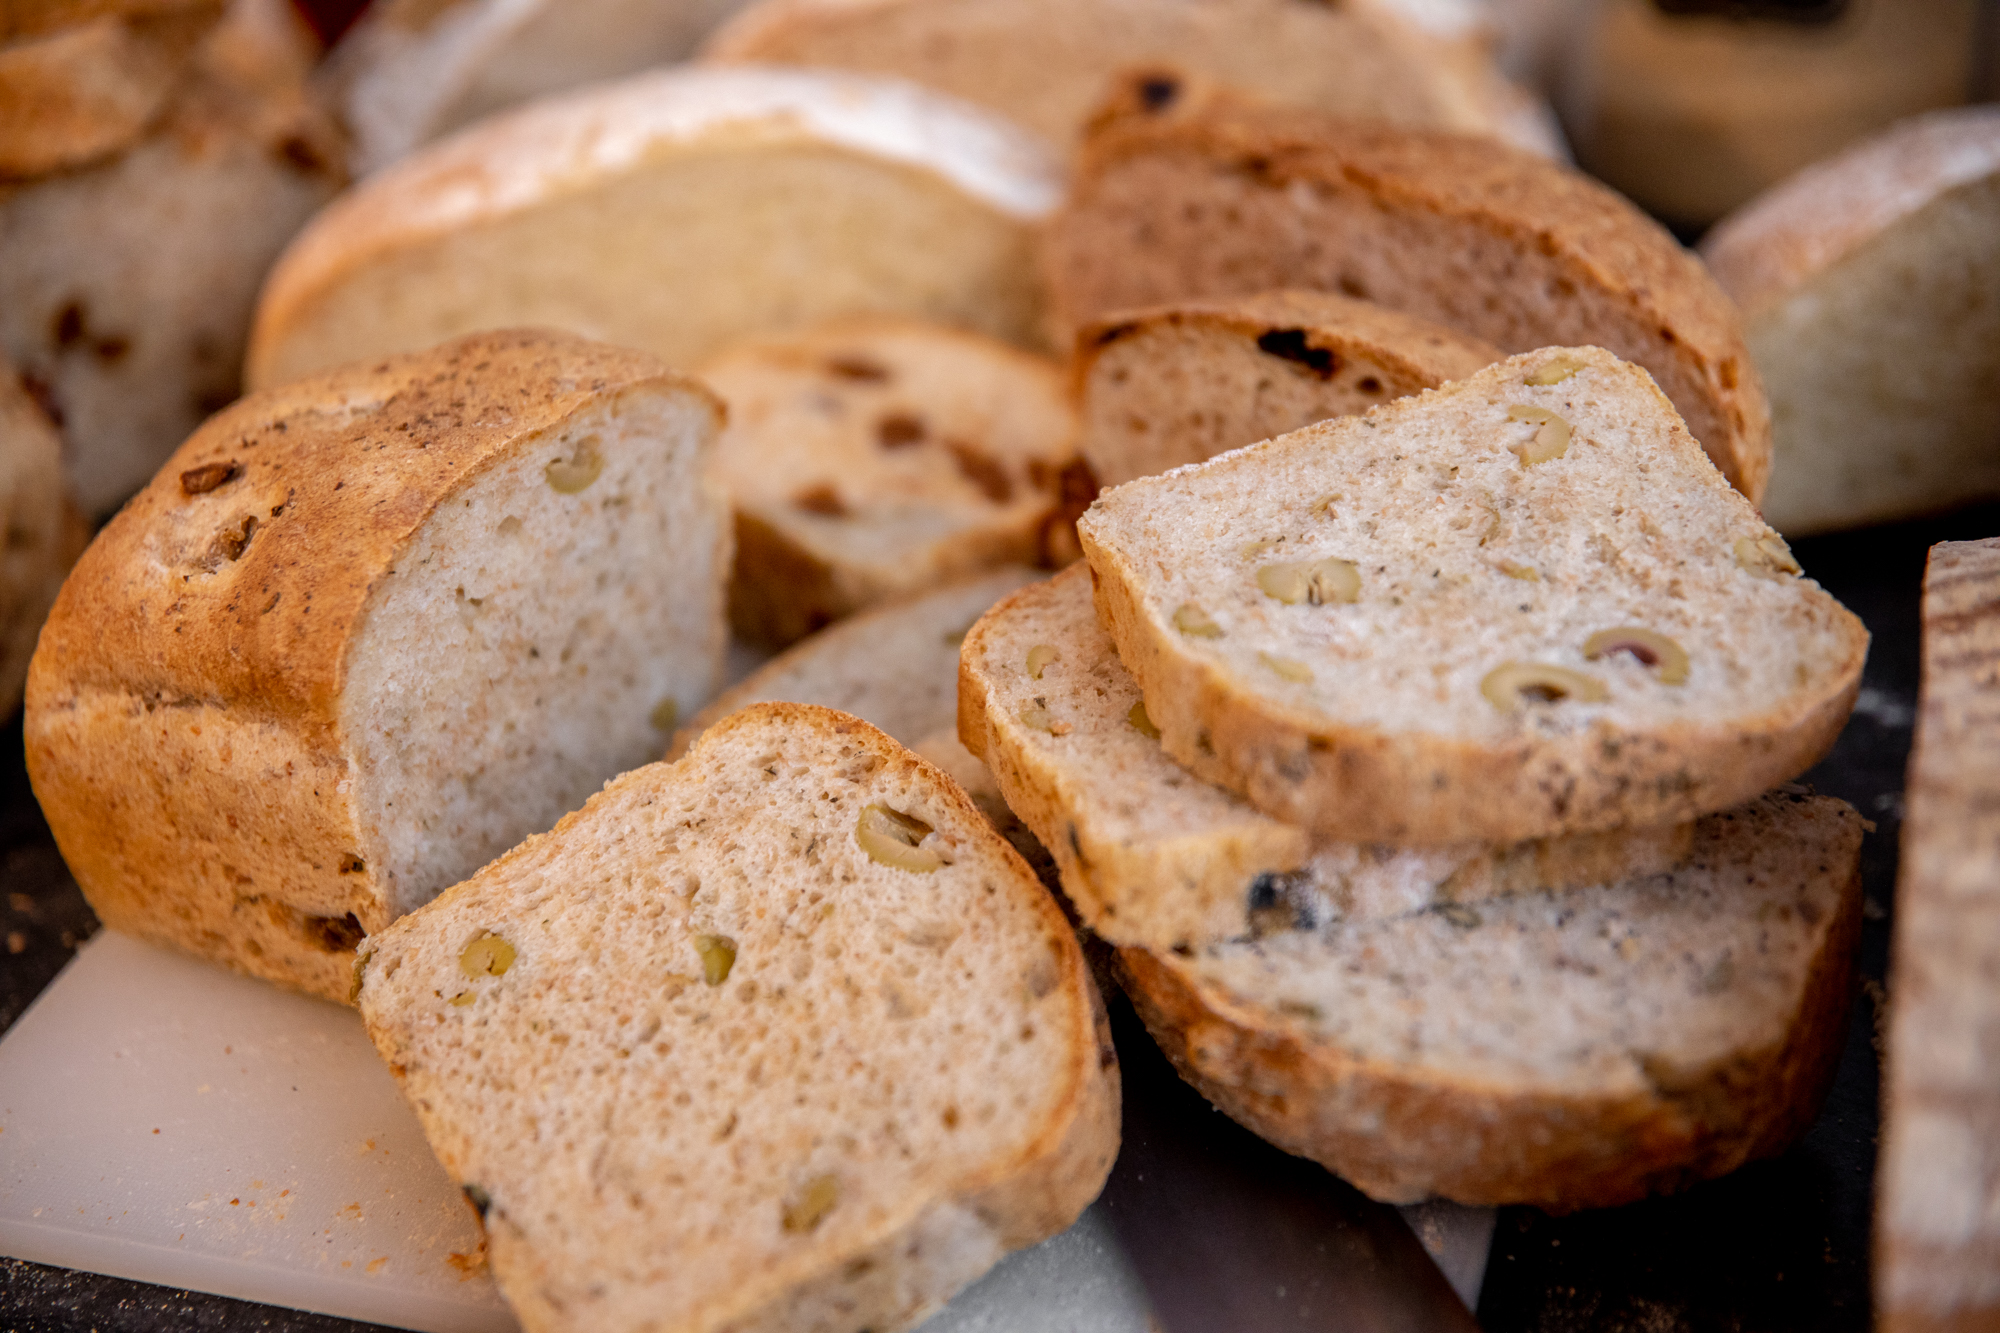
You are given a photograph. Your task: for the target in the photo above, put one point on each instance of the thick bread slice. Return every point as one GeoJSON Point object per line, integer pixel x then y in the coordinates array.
{"type": "Point", "coordinates": [705, 1063]}
{"type": "Point", "coordinates": [1151, 855]}
{"type": "Point", "coordinates": [364, 634]}
{"type": "Point", "coordinates": [1222, 199]}
{"type": "Point", "coordinates": [675, 211]}
{"type": "Point", "coordinates": [1046, 64]}
{"type": "Point", "coordinates": [45, 534]}
{"type": "Point", "coordinates": [873, 459]}
{"type": "Point", "coordinates": [1176, 384]}
{"type": "Point", "coordinates": [411, 70]}
{"type": "Point", "coordinates": [1562, 1050]}
{"type": "Point", "coordinates": [894, 667]}
{"type": "Point", "coordinates": [1868, 288]}
{"type": "Point", "coordinates": [1937, 1225]}
{"type": "Point", "coordinates": [1497, 561]}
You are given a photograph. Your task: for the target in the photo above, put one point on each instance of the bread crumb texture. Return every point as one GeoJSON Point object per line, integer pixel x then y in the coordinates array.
{"type": "Point", "coordinates": [897, 1074]}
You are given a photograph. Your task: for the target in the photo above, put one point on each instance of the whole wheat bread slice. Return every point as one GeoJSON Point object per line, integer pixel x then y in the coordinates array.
{"type": "Point", "coordinates": [1867, 285]}
{"type": "Point", "coordinates": [1519, 606]}
{"type": "Point", "coordinates": [874, 459]}
{"type": "Point", "coordinates": [704, 1061]}
{"type": "Point", "coordinates": [1937, 1232]}
{"type": "Point", "coordinates": [1154, 857]}
{"type": "Point", "coordinates": [1175, 384]}
{"type": "Point", "coordinates": [1206, 197]}
{"type": "Point", "coordinates": [365, 633]}
{"type": "Point", "coordinates": [1562, 1050]}
{"type": "Point", "coordinates": [676, 211]}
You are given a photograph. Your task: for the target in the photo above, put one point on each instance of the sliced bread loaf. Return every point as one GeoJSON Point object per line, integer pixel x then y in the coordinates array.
{"type": "Point", "coordinates": [45, 533]}
{"type": "Point", "coordinates": [781, 1036]}
{"type": "Point", "coordinates": [1868, 285]}
{"type": "Point", "coordinates": [894, 667]}
{"type": "Point", "coordinates": [872, 460]}
{"type": "Point", "coordinates": [1046, 64]}
{"type": "Point", "coordinates": [1207, 197]}
{"type": "Point", "coordinates": [1174, 384]}
{"type": "Point", "coordinates": [1562, 1050]}
{"type": "Point", "coordinates": [363, 634]}
{"type": "Point", "coordinates": [1152, 856]}
{"type": "Point", "coordinates": [676, 211]}
{"type": "Point", "coordinates": [1518, 606]}
{"type": "Point", "coordinates": [1937, 1230]}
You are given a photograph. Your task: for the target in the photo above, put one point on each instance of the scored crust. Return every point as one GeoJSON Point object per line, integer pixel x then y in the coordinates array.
{"type": "Point", "coordinates": [1387, 714]}
{"type": "Point", "coordinates": [851, 1038]}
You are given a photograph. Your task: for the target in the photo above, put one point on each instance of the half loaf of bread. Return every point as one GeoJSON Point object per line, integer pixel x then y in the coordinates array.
{"type": "Point", "coordinates": [45, 533]}
{"type": "Point", "coordinates": [1174, 384]}
{"type": "Point", "coordinates": [781, 1036]}
{"type": "Point", "coordinates": [363, 634]}
{"type": "Point", "coordinates": [676, 211]}
{"type": "Point", "coordinates": [1519, 606]}
{"type": "Point", "coordinates": [1209, 197]}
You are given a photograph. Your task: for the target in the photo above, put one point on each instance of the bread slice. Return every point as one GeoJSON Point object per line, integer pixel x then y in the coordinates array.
{"type": "Point", "coordinates": [411, 70]}
{"type": "Point", "coordinates": [1046, 64]}
{"type": "Point", "coordinates": [706, 1060]}
{"type": "Point", "coordinates": [364, 634]}
{"type": "Point", "coordinates": [1937, 1235]}
{"type": "Point", "coordinates": [1866, 285]}
{"type": "Point", "coordinates": [1206, 197]}
{"type": "Point", "coordinates": [1519, 606]}
{"type": "Point", "coordinates": [894, 667]}
{"type": "Point", "coordinates": [1152, 856]}
{"type": "Point", "coordinates": [126, 352]}
{"type": "Point", "coordinates": [45, 533]}
{"type": "Point", "coordinates": [875, 459]}
{"type": "Point", "coordinates": [1174, 384]}
{"type": "Point", "coordinates": [676, 211]}
{"type": "Point", "coordinates": [1562, 1050]}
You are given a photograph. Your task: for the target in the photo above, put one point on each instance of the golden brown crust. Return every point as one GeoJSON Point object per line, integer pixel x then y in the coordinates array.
{"type": "Point", "coordinates": [1470, 214]}
{"type": "Point", "coordinates": [182, 727]}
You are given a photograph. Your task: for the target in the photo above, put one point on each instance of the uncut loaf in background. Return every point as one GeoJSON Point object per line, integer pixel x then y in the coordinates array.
{"type": "Point", "coordinates": [875, 458]}
{"type": "Point", "coordinates": [780, 1036]}
{"type": "Point", "coordinates": [363, 634]}
{"type": "Point", "coordinates": [1209, 197]}
{"type": "Point", "coordinates": [1519, 606]}
{"type": "Point", "coordinates": [1174, 384]}
{"type": "Point", "coordinates": [675, 211]}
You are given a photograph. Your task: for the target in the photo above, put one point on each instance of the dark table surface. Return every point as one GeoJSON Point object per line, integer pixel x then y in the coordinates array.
{"type": "Point", "coordinates": [1779, 1245]}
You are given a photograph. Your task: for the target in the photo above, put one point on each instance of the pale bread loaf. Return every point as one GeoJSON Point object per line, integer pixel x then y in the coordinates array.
{"type": "Point", "coordinates": [676, 211]}
{"type": "Point", "coordinates": [1386, 627]}
{"type": "Point", "coordinates": [1868, 285]}
{"type": "Point", "coordinates": [362, 635]}
{"type": "Point", "coordinates": [1209, 197]}
{"type": "Point", "coordinates": [1174, 384]}
{"type": "Point", "coordinates": [1046, 64]}
{"type": "Point", "coordinates": [1562, 1050]}
{"type": "Point", "coordinates": [1937, 1229]}
{"type": "Point", "coordinates": [45, 534]}
{"type": "Point", "coordinates": [872, 459]}
{"type": "Point", "coordinates": [894, 666]}
{"type": "Point", "coordinates": [1154, 857]}
{"type": "Point", "coordinates": [736, 1072]}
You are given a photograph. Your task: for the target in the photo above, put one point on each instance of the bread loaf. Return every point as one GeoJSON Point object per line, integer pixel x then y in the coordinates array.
{"type": "Point", "coordinates": [1519, 606]}
{"type": "Point", "coordinates": [363, 634]}
{"type": "Point", "coordinates": [676, 211]}
{"type": "Point", "coordinates": [781, 1036]}
{"type": "Point", "coordinates": [45, 534]}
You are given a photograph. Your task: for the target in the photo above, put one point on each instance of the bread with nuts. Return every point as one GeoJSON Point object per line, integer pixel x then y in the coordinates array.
{"type": "Point", "coordinates": [1566, 1050]}
{"type": "Point", "coordinates": [363, 634]}
{"type": "Point", "coordinates": [1173, 384]}
{"type": "Point", "coordinates": [1210, 197]}
{"type": "Point", "coordinates": [45, 533]}
{"type": "Point", "coordinates": [1865, 284]}
{"type": "Point", "coordinates": [870, 460]}
{"type": "Point", "coordinates": [1519, 606]}
{"type": "Point", "coordinates": [1937, 1237]}
{"type": "Point", "coordinates": [676, 211]}
{"type": "Point", "coordinates": [1152, 856]}
{"type": "Point", "coordinates": [826, 1049]}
